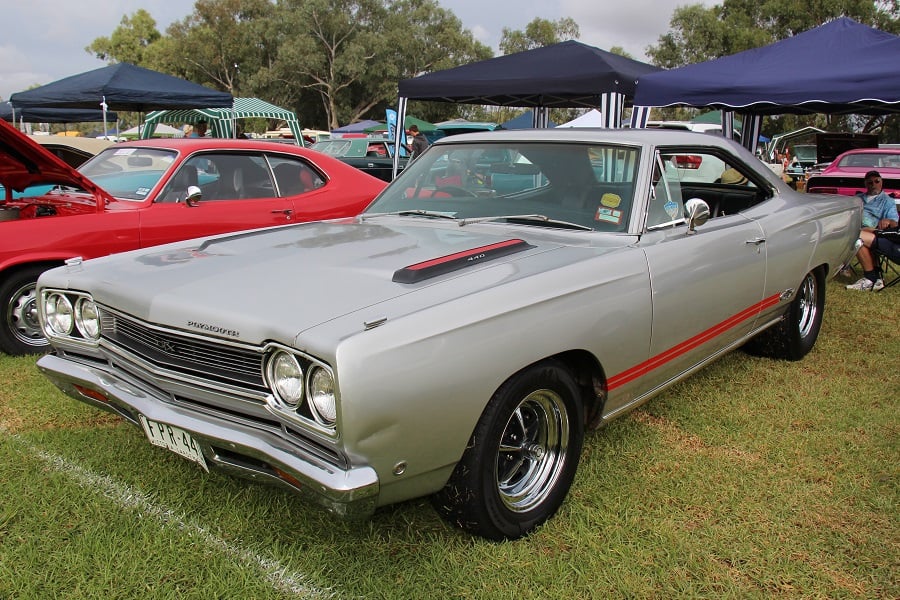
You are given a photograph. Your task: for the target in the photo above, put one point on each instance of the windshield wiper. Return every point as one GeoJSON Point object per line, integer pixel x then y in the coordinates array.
{"type": "Point", "coordinates": [413, 213]}
{"type": "Point", "coordinates": [528, 219]}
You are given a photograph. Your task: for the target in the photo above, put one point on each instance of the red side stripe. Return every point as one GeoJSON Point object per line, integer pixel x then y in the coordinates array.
{"type": "Point", "coordinates": [654, 362]}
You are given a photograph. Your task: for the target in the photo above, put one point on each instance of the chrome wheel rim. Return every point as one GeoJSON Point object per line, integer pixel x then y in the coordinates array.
{"type": "Point", "coordinates": [807, 297]}
{"type": "Point", "coordinates": [532, 450]}
{"type": "Point", "coordinates": [22, 318]}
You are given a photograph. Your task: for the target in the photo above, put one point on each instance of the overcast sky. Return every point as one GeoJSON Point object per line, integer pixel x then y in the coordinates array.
{"type": "Point", "coordinates": [44, 40]}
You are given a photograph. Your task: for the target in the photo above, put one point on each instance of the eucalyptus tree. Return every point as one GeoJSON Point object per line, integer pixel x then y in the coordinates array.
{"type": "Point", "coordinates": [538, 33]}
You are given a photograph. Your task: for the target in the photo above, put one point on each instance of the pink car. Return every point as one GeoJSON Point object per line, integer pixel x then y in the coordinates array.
{"type": "Point", "coordinates": [846, 173]}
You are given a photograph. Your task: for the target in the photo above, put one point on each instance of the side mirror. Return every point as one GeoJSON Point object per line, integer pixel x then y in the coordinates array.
{"type": "Point", "coordinates": [697, 213]}
{"type": "Point", "coordinates": [194, 194]}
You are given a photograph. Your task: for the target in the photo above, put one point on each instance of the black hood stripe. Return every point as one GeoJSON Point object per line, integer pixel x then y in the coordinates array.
{"type": "Point", "coordinates": [459, 260]}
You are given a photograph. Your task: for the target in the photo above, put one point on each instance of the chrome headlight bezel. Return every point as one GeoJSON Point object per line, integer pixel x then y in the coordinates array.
{"type": "Point", "coordinates": [69, 316]}
{"type": "Point", "coordinates": [321, 396]}
{"type": "Point", "coordinates": [285, 377]}
{"type": "Point", "coordinates": [87, 318]}
{"type": "Point", "coordinates": [302, 408]}
{"type": "Point", "coordinates": [59, 314]}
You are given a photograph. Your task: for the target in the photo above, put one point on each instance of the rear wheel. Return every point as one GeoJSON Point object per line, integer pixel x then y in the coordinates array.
{"type": "Point", "coordinates": [20, 331]}
{"type": "Point", "coordinates": [797, 332]}
{"type": "Point", "coordinates": [521, 459]}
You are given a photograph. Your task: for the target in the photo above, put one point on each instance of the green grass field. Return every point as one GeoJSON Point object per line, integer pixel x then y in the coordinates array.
{"type": "Point", "coordinates": [753, 479]}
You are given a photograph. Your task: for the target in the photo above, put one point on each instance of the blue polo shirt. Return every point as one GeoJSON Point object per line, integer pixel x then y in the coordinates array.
{"type": "Point", "coordinates": [876, 208]}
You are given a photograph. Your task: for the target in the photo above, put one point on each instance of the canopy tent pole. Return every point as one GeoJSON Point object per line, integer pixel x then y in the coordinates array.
{"type": "Point", "coordinates": [751, 130]}
{"type": "Point", "coordinates": [639, 116]}
{"type": "Point", "coordinates": [401, 135]}
{"type": "Point", "coordinates": [611, 106]}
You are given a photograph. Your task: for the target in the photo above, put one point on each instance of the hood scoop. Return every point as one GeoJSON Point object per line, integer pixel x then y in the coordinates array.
{"type": "Point", "coordinates": [458, 260]}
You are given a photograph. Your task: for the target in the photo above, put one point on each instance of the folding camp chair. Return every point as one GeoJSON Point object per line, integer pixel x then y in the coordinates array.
{"type": "Point", "coordinates": [886, 252]}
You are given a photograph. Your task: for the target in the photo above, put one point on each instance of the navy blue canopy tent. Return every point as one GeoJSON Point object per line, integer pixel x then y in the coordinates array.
{"type": "Point", "coordinates": [837, 68]}
{"type": "Point", "coordinates": [122, 86]}
{"type": "Point", "coordinates": [841, 67]}
{"type": "Point", "coordinates": [564, 75]}
{"type": "Point", "coordinates": [54, 115]}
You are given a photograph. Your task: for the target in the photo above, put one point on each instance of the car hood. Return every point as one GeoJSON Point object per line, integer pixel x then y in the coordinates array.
{"type": "Point", "coordinates": [274, 284]}
{"type": "Point", "coordinates": [24, 163]}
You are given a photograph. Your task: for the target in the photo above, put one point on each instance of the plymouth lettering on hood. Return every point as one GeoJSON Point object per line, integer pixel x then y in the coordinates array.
{"type": "Point", "coordinates": [214, 329]}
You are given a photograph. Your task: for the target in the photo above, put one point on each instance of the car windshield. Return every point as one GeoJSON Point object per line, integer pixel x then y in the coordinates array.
{"type": "Point", "coordinates": [128, 173]}
{"type": "Point", "coordinates": [567, 185]}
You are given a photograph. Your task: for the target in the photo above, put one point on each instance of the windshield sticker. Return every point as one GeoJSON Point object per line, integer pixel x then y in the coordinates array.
{"type": "Point", "coordinates": [142, 191]}
{"type": "Point", "coordinates": [608, 215]}
{"type": "Point", "coordinates": [124, 151]}
{"type": "Point", "coordinates": [611, 200]}
{"type": "Point", "coordinates": [671, 208]}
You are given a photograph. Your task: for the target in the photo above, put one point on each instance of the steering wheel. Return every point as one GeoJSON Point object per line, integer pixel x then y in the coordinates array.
{"type": "Point", "coordinates": [455, 190]}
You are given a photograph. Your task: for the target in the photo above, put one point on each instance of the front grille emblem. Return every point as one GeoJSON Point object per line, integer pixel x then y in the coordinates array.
{"type": "Point", "coordinates": [165, 345]}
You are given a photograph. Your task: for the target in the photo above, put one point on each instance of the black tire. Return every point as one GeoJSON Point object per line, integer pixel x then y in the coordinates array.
{"type": "Point", "coordinates": [521, 459]}
{"type": "Point", "coordinates": [20, 332]}
{"type": "Point", "coordinates": [796, 334]}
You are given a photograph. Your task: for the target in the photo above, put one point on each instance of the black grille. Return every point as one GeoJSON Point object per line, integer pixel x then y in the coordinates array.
{"type": "Point", "coordinates": [209, 359]}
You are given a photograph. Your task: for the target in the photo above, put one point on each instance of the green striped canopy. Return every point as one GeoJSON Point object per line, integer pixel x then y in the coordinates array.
{"type": "Point", "coordinates": [221, 120]}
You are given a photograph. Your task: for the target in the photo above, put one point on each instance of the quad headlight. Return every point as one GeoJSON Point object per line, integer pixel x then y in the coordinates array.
{"type": "Point", "coordinates": [321, 395]}
{"type": "Point", "coordinates": [286, 377]}
{"type": "Point", "coordinates": [303, 389]}
{"type": "Point", "coordinates": [69, 315]}
{"type": "Point", "coordinates": [60, 314]}
{"type": "Point", "coordinates": [87, 318]}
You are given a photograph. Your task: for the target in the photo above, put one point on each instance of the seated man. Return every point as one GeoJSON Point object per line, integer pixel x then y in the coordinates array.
{"type": "Point", "coordinates": [879, 212]}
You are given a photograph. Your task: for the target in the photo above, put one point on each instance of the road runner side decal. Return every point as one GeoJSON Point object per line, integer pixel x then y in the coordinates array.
{"type": "Point", "coordinates": [645, 367]}
{"type": "Point", "coordinates": [460, 260]}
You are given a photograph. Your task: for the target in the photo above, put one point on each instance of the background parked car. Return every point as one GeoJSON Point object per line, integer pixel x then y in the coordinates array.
{"type": "Point", "coordinates": [370, 155]}
{"type": "Point", "coordinates": [73, 150]}
{"type": "Point", "coordinates": [139, 194]}
{"type": "Point", "coordinates": [846, 173]}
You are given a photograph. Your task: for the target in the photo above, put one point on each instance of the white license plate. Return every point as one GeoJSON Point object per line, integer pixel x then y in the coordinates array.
{"type": "Point", "coordinates": [175, 439]}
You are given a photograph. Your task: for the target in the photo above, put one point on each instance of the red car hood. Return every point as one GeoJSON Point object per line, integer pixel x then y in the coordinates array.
{"type": "Point", "coordinates": [24, 163]}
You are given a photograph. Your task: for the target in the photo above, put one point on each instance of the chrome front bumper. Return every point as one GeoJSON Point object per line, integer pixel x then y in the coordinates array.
{"type": "Point", "coordinates": [227, 446]}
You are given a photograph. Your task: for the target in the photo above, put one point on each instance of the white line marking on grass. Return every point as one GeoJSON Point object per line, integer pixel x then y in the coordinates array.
{"type": "Point", "coordinates": [275, 572]}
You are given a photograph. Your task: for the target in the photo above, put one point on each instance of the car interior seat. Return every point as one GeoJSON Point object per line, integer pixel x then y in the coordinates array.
{"type": "Point", "coordinates": [186, 177]}
{"type": "Point", "coordinates": [290, 178]}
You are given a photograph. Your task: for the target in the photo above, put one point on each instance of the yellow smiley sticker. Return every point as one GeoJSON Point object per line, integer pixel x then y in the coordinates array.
{"type": "Point", "coordinates": [611, 200]}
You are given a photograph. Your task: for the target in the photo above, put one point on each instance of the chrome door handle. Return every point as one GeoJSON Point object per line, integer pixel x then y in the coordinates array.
{"type": "Point", "coordinates": [756, 241]}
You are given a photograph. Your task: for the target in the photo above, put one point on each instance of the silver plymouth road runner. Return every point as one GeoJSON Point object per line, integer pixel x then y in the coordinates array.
{"type": "Point", "coordinates": [508, 291]}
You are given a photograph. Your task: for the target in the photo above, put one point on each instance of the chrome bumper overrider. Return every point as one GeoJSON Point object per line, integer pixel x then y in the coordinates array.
{"type": "Point", "coordinates": [227, 446]}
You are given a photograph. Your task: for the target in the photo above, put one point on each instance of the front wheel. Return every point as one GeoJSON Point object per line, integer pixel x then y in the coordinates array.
{"type": "Point", "coordinates": [20, 331]}
{"type": "Point", "coordinates": [521, 459]}
{"type": "Point", "coordinates": [796, 334]}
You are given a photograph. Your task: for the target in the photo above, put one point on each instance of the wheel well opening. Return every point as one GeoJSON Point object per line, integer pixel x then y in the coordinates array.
{"type": "Point", "coordinates": [591, 380]}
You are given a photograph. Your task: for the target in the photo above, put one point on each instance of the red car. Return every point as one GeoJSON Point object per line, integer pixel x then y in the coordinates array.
{"type": "Point", "coordinates": [140, 194]}
{"type": "Point", "coordinates": [845, 174]}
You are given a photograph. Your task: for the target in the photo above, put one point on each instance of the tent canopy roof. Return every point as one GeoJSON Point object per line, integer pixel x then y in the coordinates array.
{"type": "Point", "coordinates": [55, 115]}
{"type": "Point", "coordinates": [220, 118]}
{"type": "Point", "coordinates": [567, 74]}
{"type": "Point", "coordinates": [124, 87]}
{"type": "Point", "coordinates": [840, 67]}
{"type": "Point", "coordinates": [407, 122]}
{"type": "Point", "coordinates": [358, 127]}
